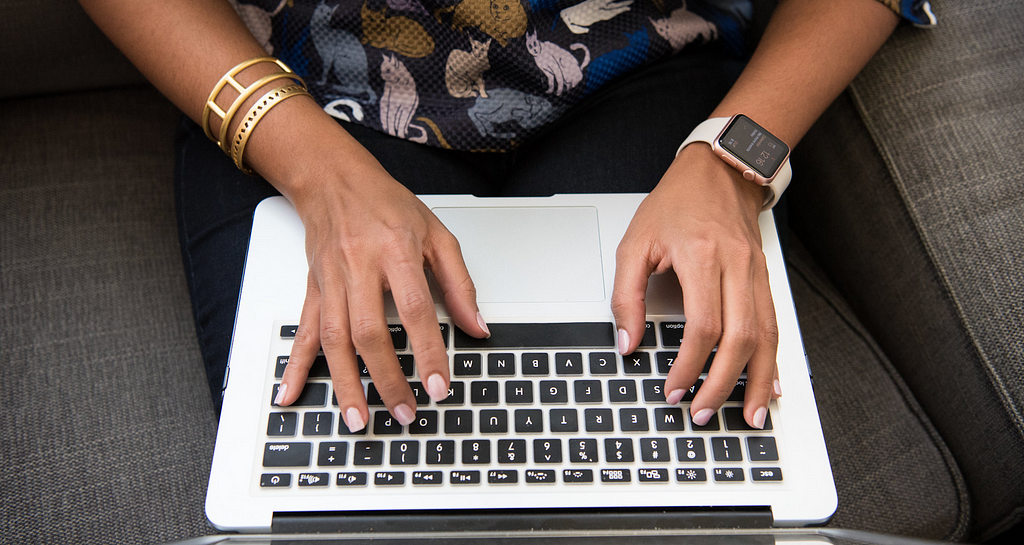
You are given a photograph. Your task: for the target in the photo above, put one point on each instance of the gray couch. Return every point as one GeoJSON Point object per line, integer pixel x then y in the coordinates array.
{"type": "Point", "coordinates": [906, 217]}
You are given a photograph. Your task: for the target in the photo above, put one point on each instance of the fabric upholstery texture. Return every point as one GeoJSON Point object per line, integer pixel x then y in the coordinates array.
{"type": "Point", "coordinates": [106, 428]}
{"type": "Point", "coordinates": [923, 238]}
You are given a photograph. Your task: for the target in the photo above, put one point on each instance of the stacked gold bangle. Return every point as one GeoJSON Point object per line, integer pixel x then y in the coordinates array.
{"type": "Point", "coordinates": [235, 148]}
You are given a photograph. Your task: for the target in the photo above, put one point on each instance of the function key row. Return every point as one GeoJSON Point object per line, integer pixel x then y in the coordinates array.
{"type": "Point", "coordinates": [511, 476]}
{"type": "Point", "coordinates": [514, 451]}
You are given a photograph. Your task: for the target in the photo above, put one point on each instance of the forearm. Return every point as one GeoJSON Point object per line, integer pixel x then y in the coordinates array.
{"type": "Point", "coordinates": [810, 52]}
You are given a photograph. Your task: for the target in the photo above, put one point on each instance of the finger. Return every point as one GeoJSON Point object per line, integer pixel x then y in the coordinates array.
{"type": "Point", "coordinates": [416, 310]}
{"type": "Point", "coordinates": [737, 345]}
{"type": "Point", "coordinates": [340, 354]}
{"type": "Point", "coordinates": [632, 271]}
{"type": "Point", "coordinates": [372, 340]}
{"type": "Point", "coordinates": [699, 278]}
{"type": "Point", "coordinates": [762, 371]}
{"type": "Point", "coordinates": [304, 348]}
{"type": "Point", "coordinates": [776, 386]}
{"type": "Point", "coordinates": [444, 256]}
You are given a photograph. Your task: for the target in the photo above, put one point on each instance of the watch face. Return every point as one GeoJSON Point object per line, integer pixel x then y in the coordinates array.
{"type": "Point", "coordinates": [756, 147]}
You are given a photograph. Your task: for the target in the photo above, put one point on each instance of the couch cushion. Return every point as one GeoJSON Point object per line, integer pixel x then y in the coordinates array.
{"type": "Point", "coordinates": [106, 424]}
{"type": "Point", "coordinates": [893, 473]}
{"type": "Point", "coordinates": [916, 212]}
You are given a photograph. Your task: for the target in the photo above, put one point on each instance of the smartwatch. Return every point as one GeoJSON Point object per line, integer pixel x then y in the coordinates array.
{"type": "Point", "coordinates": [746, 146]}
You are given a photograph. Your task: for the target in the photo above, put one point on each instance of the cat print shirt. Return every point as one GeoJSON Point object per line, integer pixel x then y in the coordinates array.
{"type": "Point", "coordinates": [484, 74]}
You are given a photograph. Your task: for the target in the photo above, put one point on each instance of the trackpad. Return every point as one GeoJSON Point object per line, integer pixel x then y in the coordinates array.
{"type": "Point", "coordinates": [530, 254]}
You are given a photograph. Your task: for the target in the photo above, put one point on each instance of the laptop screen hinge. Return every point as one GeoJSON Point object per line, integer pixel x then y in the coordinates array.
{"type": "Point", "coordinates": [521, 520]}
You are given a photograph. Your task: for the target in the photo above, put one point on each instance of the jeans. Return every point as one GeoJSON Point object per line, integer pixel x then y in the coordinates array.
{"type": "Point", "coordinates": [621, 140]}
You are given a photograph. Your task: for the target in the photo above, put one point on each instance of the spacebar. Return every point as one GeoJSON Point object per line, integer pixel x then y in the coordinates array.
{"type": "Point", "coordinates": [551, 335]}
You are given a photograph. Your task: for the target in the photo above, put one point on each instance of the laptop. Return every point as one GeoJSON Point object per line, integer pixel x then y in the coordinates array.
{"type": "Point", "coordinates": [546, 426]}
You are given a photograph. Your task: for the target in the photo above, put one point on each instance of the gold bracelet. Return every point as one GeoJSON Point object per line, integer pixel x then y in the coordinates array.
{"type": "Point", "coordinates": [229, 79]}
{"type": "Point", "coordinates": [260, 109]}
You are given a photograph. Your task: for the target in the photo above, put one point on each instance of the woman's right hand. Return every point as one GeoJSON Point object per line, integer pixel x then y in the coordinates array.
{"type": "Point", "coordinates": [366, 234]}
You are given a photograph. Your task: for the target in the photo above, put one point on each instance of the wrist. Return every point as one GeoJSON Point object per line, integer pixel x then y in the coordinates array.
{"type": "Point", "coordinates": [707, 175]}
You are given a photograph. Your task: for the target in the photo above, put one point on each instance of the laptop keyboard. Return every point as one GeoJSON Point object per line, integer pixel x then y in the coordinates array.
{"type": "Point", "coordinates": [534, 404]}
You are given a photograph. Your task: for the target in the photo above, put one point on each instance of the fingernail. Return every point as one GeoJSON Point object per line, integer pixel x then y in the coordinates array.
{"type": "Point", "coordinates": [354, 420]}
{"type": "Point", "coordinates": [623, 342]}
{"type": "Point", "coordinates": [702, 417]}
{"type": "Point", "coordinates": [280, 393]}
{"type": "Point", "coordinates": [675, 396]}
{"type": "Point", "coordinates": [759, 417]}
{"type": "Point", "coordinates": [483, 325]}
{"type": "Point", "coordinates": [404, 414]}
{"type": "Point", "coordinates": [778, 388]}
{"type": "Point", "coordinates": [436, 388]}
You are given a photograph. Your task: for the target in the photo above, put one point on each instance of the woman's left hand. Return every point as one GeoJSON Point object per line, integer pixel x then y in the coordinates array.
{"type": "Point", "coordinates": [701, 222]}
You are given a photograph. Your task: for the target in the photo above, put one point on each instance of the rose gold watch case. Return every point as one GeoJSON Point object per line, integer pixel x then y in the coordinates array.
{"type": "Point", "coordinates": [746, 170]}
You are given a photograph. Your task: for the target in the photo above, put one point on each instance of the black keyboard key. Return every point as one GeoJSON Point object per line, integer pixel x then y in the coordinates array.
{"type": "Point", "coordinates": [654, 390]}
{"type": "Point", "coordinates": [483, 392]}
{"type": "Point", "coordinates": [712, 424]}
{"type": "Point", "coordinates": [405, 453]}
{"type": "Point", "coordinates": [464, 477]}
{"type": "Point", "coordinates": [621, 475]}
{"type": "Point", "coordinates": [476, 451]}
{"type": "Point", "coordinates": [618, 450]}
{"type": "Point", "coordinates": [540, 476]}
{"type": "Point", "coordinates": [672, 334]}
{"type": "Point", "coordinates": [427, 477]}
{"type": "Point", "coordinates": [425, 423]}
{"type": "Point", "coordinates": [332, 454]}
{"type": "Point", "coordinates": [572, 476]}
{"type": "Point", "coordinates": [563, 421]}
{"type": "Point", "coordinates": [419, 393]}
{"type": "Point", "coordinates": [664, 361]}
{"type": "Point", "coordinates": [456, 394]}
{"type": "Point", "coordinates": [587, 391]}
{"type": "Point", "coordinates": [368, 453]}
{"type": "Point", "coordinates": [535, 364]}
{"type": "Point", "coordinates": [598, 420]}
{"type": "Point", "coordinates": [350, 478]}
{"type": "Point", "coordinates": [734, 420]}
{"type": "Point", "coordinates": [669, 419]}
{"type": "Point", "coordinates": [407, 363]}
{"type": "Point", "coordinates": [466, 365]}
{"type": "Point", "coordinates": [501, 365]}
{"type": "Point", "coordinates": [762, 449]}
{"type": "Point", "coordinates": [583, 451]}
{"type": "Point", "coordinates": [314, 479]}
{"type": "Point", "coordinates": [529, 421]}
{"type": "Point", "coordinates": [373, 398]}
{"type": "Point", "coordinates": [654, 449]}
{"type": "Point", "coordinates": [765, 474]}
{"type": "Point", "coordinates": [282, 424]}
{"type": "Point", "coordinates": [726, 449]}
{"type": "Point", "coordinates": [389, 478]}
{"type": "Point", "coordinates": [343, 429]}
{"type": "Point", "coordinates": [518, 392]}
{"type": "Point", "coordinates": [494, 421]}
{"type": "Point", "coordinates": [622, 391]}
{"type": "Point", "coordinates": [503, 476]}
{"type": "Point", "coordinates": [288, 331]}
{"type": "Point", "coordinates": [603, 363]}
{"type": "Point", "coordinates": [549, 335]}
{"type": "Point", "coordinates": [318, 423]}
{"type": "Point", "coordinates": [691, 475]}
{"type": "Point", "coordinates": [275, 480]}
{"type": "Point", "coordinates": [444, 334]}
{"type": "Point", "coordinates": [692, 390]}
{"type": "Point", "coordinates": [440, 452]}
{"type": "Point", "coordinates": [554, 391]}
{"type": "Point", "coordinates": [511, 451]}
{"type": "Point", "coordinates": [287, 454]}
{"type": "Point", "coordinates": [649, 340]}
{"type": "Point", "coordinates": [314, 394]}
{"type": "Point", "coordinates": [547, 451]}
{"type": "Point", "coordinates": [652, 475]}
{"type": "Point", "coordinates": [633, 420]}
{"type": "Point", "coordinates": [568, 363]}
{"type": "Point", "coordinates": [385, 424]}
{"type": "Point", "coordinates": [637, 363]}
{"type": "Point", "coordinates": [738, 391]}
{"type": "Point", "coordinates": [728, 474]}
{"type": "Point", "coordinates": [458, 421]}
{"type": "Point", "coordinates": [690, 449]}
{"type": "Point", "coordinates": [282, 362]}
{"type": "Point", "coordinates": [398, 336]}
